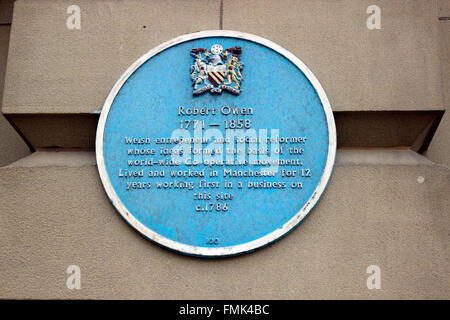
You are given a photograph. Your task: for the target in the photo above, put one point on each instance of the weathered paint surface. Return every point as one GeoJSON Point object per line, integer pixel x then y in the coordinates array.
{"type": "Point", "coordinates": [281, 96]}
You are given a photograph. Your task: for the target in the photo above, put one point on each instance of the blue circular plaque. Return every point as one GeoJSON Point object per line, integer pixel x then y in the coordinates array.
{"type": "Point", "coordinates": [216, 143]}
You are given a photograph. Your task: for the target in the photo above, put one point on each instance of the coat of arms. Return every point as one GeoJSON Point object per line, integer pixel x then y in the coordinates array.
{"type": "Point", "coordinates": [216, 70]}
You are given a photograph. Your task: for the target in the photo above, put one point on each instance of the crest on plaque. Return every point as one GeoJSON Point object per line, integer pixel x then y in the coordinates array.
{"type": "Point", "coordinates": [216, 70]}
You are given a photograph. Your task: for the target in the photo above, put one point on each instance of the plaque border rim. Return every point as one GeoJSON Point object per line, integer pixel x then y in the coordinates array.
{"type": "Point", "coordinates": [253, 245]}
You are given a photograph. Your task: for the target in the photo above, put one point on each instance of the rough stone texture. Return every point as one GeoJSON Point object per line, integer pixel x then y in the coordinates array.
{"type": "Point", "coordinates": [444, 8]}
{"type": "Point", "coordinates": [439, 150]}
{"type": "Point", "coordinates": [75, 69]}
{"type": "Point", "coordinates": [53, 217]}
{"type": "Point", "coordinates": [395, 68]}
{"type": "Point", "coordinates": [12, 147]}
{"type": "Point", "coordinates": [388, 208]}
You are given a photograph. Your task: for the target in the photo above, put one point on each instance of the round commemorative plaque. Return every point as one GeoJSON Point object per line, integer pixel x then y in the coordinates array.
{"type": "Point", "coordinates": [216, 143]}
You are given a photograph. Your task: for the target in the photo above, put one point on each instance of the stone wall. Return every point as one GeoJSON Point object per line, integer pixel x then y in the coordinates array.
{"type": "Point", "coordinates": [386, 204]}
{"type": "Point", "coordinates": [12, 146]}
